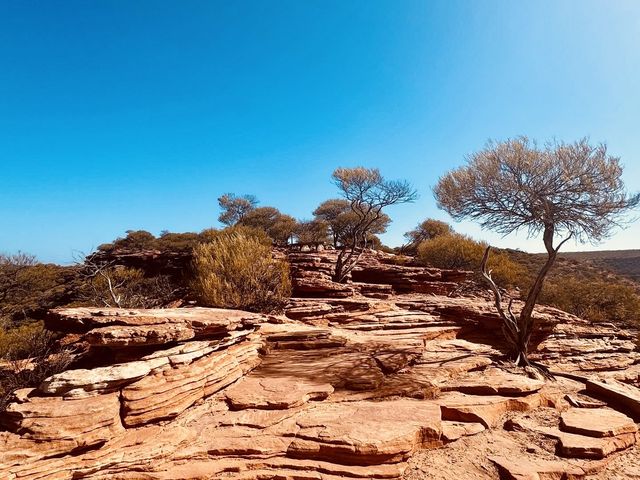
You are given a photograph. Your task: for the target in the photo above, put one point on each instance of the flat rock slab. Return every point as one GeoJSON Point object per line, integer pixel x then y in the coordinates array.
{"type": "Point", "coordinates": [275, 393]}
{"type": "Point", "coordinates": [486, 410]}
{"type": "Point", "coordinates": [531, 468]}
{"type": "Point", "coordinates": [600, 422]}
{"type": "Point", "coordinates": [80, 382]}
{"type": "Point", "coordinates": [617, 393]}
{"type": "Point", "coordinates": [494, 381]}
{"type": "Point", "coordinates": [200, 320]}
{"type": "Point", "coordinates": [579, 446]}
{"type": "Point", "coordinates": [366, 432]}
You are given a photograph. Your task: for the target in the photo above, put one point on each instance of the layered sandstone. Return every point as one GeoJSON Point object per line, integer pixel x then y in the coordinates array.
{"type": "Point", "coordinates": [382, 378]}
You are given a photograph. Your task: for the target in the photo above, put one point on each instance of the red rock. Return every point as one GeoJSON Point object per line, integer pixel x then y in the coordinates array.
{"type": "Point", "coordinates": [596, 422]}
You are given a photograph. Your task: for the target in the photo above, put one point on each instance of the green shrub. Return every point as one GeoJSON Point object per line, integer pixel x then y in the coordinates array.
{"type": "Point", "coordinates": [235, 269]}
{"type": "Point", "coordinates": [457, 251]}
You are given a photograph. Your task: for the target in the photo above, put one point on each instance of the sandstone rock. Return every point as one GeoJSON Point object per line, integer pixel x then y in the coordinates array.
{"type": "Point", "coordinates": [486, 410]}
{"type": "Point", "coordinates": [599, 422]}
{"type": "Point", "coordinates": [580, 446]}
{"type": "Point", "coordinates": [452, 431]}
{"type": "Point", "coordinates": [617, 393]}
{"type": "Point", "coordinates": [494, 381]}
{"type": "Point", "coordinates": [201, 321]}
{"type": "Point", "coordinates": [531, 468]}
{"type": "Point", "coordinates": [102, 379]}
{"type": "Point", "coordinates": [365, 433]}
{"type": "Point", "coordinates": [168, 392]}
{"type": "Point", "coordinates": [59, 425]}
{"type": "Point", "coordinates": [275, 393]}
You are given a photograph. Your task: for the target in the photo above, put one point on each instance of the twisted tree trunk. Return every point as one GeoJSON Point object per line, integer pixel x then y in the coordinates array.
{"type": "Point", "coordinates": [518, 329]}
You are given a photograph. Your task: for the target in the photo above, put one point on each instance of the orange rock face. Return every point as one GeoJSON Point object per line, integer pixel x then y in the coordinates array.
{"type": "Point", "coordinates": [387, 377]}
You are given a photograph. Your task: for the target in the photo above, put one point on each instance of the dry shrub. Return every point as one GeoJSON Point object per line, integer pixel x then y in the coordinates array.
{"type": "Point", "coordinates": [28, 355]}
{"type": "Point", "coordinates": [457, 251]}
{"type": "Point", "coordinates": [235, 269]}
{"type": "Point", "coordinates": [595, 299]}
{"type": "Point", "coordinates": [124, 287]}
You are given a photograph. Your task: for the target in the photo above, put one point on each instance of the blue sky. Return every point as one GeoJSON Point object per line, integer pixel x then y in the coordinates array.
{"type": "Point", "coordinates": [118, 115]}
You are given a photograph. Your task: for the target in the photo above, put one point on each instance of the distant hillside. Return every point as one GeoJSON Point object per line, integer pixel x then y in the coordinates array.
{"type": "Point", "coordinates": [622, 262]}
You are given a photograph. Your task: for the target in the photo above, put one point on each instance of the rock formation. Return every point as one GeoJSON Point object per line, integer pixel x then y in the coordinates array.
{"type": "Point", "coordinates": [387, 377]}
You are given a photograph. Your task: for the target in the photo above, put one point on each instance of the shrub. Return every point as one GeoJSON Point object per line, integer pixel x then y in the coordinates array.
{"type": "Point", "coordinates": [235, 269]}
{"type": "Point", "coordinates": [28, 355]}
{"type": "Point", "coordinates": [123, 287]}
{"type": "Point", "coordinates": [427, 230]}
{"type": "Point", "coordinates": [457, 251]}
{"type": "Point", "coordinates": [595, 299]}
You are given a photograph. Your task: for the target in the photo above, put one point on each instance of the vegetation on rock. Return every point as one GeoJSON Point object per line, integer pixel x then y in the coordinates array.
{"type": "Point", "coordinates": [236, 269]}
{"type": "Point", "coordinates": [567, 190]}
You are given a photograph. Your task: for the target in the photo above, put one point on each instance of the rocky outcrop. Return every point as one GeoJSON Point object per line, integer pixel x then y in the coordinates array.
{"type": "Point", "coordinates": [374, 276]}
{"type": "Point", "coordinates": [352, 381]}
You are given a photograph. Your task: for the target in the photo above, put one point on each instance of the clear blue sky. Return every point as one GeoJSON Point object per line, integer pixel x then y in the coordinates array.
{"type": "Point", "coordinates": [118, 115]}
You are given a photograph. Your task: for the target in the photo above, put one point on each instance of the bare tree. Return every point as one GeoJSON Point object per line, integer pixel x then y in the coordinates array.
{"type": "Point", "coordinates": [234, 208]}
{"type": "Point", "coordinates": [368, 193]}
{"type": "Point", "coordinates": [566, 190]}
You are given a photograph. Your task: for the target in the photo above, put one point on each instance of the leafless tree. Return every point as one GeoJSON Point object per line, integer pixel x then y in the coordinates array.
{"type": "Point", "coordinates": [368, 193]}
{"type": "Point", "coordinates": [567, 190]}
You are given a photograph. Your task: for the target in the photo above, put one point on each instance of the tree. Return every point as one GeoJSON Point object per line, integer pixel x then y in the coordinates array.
{"type": "Point", "coordinates": [278, 226]}
{"type": "Point", "coordinates": [368, 193]}
{"type": "Point", "coordinates": [342, 220]}
{"type": "Point", "coordinates": [312, 231]}
{"type": "Point", "coordinates": [234, 209]}
{"type": "Point", "coordinates": [560, 190]}
{"type": "Point", "coordinates": [427, 230]}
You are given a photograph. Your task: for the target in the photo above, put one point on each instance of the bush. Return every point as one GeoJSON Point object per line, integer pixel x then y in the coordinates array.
{"type": "Point", "coordinates": [123, 287]}
{"type": "Point", "coordinates": [235, 269]}
{"type": "Point", "coordinates": [457, 251]}
{"type": "Point", "coordinates": [595, 299]}
{"type": "Point", "coordinates": [28, 355]}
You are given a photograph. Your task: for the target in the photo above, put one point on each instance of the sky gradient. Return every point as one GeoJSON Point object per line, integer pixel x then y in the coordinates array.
{"type": "Point", "coordinates": [118, 115]}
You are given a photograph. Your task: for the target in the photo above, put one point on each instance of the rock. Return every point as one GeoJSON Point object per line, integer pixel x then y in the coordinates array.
{"type": "Point", "coordinates": [618, 394]}
{"type": "Point", "coordinates": [532, 468]}
{"type": "Point", "coordinates": [365, 433]}
{"type": "Point", "coordinates": [56, 426]}
{"type": "Point", "coordinates": [275, 393]}
{"type": "Point", "coordinates": [487, 410]}
{"type": "Point", "coordinates": [174, 322]}
{"type": "Point", "coordinates": [452, 431]}
{"type": "Point", "coordinates": [599, 422]}
{"type": "Point", "coordinates": [495, 381]}
{"type": "Point", "coordinates": [580, 446]}
{"type": "Point", "coordinates": [102, 379]}
{"type": "Point", "coordinates": [168, 392]}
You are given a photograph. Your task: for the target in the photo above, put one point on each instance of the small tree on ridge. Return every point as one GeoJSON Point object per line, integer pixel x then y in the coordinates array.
{"type": "Point", "coordinates": [561, 190]}
{"type": "Point", "coordinates": [368, 193]}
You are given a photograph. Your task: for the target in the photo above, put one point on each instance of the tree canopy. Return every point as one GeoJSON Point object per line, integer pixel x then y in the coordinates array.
{"type": "Point", "coordinates": [367, 193]}
{"type": "Point", "coordinates": [233, 208]}
{"type": "Point", "coordinates": [568, 189]}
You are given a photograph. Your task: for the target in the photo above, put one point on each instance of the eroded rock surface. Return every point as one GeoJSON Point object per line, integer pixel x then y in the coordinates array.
{"type": "Point", "coordinates": [387, 377]}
